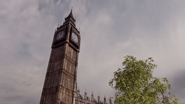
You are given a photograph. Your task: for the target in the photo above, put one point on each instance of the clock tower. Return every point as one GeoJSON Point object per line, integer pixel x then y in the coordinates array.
{"type": "Point", "coordinates": [61, 76]}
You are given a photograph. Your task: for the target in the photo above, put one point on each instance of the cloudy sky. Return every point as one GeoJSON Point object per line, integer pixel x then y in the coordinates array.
{"type": "Point", "coordinates": [110, 30]}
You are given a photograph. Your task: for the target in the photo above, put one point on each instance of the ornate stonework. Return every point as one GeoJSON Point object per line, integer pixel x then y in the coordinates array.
{"type": "Point", "coordinates": [61, 76]}
{"type": "Point", "coordinates": [84, 99]}
{"type": "Point", "coordinates": [60, 81]}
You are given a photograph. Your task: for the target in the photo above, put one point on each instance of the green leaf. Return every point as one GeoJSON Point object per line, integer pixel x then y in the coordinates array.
{"type": "Point", "coordinates": [135, 83]}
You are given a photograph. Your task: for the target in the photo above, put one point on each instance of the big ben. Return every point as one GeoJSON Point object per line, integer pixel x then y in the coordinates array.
{"type": "Point", "coordinates": [61, 76]}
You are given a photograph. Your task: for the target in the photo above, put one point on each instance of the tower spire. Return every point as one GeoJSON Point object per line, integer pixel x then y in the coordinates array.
{"type": "Point", "coordinates": [70, 14]}
{"type": "Point", "coordinates": [70, 19]}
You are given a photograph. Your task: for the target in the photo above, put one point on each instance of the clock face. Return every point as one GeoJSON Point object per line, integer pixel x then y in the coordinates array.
{"type": "Point", "coordinates": [60, 35]}
{"type": "Point", "coordinates": [74, 37]}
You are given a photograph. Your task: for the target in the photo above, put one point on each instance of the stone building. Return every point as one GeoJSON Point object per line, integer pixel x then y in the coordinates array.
{"type": "Point", "coordinates": [84, 99]}
{"type": "Point", "coordinates": [61, 76]}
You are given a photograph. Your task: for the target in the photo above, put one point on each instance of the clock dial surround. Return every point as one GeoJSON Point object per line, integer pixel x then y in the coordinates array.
{"type": "Point", "coordinates": [60, 35]}
{"type": "Point", "coordinates": [74, 37]}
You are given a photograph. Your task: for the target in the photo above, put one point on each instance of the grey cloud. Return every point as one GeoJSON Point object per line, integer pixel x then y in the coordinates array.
{"type": "Point", "coordinates": [178, 84]}
{"type": "Point", "coordinates": [138, 28]}
{"type": "Point", "coordinates": [16, 93]}
{"type": "Point", "coordinates": [110, 30]}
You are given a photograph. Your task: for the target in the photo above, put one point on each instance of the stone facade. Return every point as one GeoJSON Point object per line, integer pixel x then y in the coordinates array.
{"type": "Point", "coordinates": [61, 76]}
{"type": "Point", "coordinates": [60, 81]}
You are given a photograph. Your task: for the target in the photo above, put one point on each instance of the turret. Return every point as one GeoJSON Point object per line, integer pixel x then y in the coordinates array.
{"type": "Point", "coordinates": [110, 100]}
{"type": "Point", "coordinates": [85, 94]}
{"type": "Point", "coordinates": [105, 100]}
{"type": "Point", "coordinates": [92, 96]}
{"type": "Point", "coordinates": [98, 98]}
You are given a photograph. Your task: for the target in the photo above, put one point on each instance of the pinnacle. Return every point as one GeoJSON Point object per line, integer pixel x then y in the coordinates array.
{"type": "Point", "coordinates": [70, 14]}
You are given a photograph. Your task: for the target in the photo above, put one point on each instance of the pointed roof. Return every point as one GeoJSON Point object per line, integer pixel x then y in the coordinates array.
{"type": "Point", "coordinates": [70, 15]}
{"type": "Point", "coordinates": [70, 19]}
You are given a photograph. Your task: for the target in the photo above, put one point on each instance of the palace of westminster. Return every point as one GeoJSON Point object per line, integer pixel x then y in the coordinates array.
{"type": "Point", "coordinates": [60, 85]}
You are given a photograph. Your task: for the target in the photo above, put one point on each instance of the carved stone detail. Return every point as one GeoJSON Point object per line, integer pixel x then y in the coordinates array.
{"type": "Point", "coordinates": [60, 81]}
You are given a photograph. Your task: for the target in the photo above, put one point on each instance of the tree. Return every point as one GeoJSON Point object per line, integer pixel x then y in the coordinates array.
{"type": "Point", "coordinates": [135, 84]}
